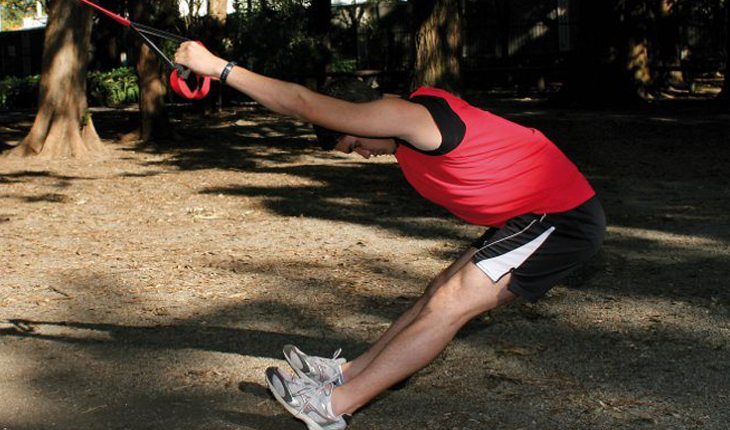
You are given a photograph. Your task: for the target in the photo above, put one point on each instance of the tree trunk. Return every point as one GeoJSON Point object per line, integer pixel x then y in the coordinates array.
{"type": "Point", "coordinates": [218, 10]}
{"type": "Point", "coordinates": [502, 9]}
{"type": "Point", "coordinates": [639, 26]}
{"type": "Point", "coordinates": [155, 123]}
{"type": "Point", "coordinates": [153, 89]}
{"type": "Point", "coordinates": [62, 127]}
{"type": "Point", "coordinates": [610, 64]}
{"type": "Point", "coordinates": [726, 87]}
{"type": "Point", "coordinates": [320, 17]}
{"type": "Point", "coordinates": [438, 45]}
{"type": "Point", "coordinates": [668, 41]}
{"type": "Point", "coordinates": [213, 34]}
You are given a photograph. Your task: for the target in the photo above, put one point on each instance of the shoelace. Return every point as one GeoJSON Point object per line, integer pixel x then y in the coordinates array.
{"type": "Point", "coordinates": [309, 391]}
{"type": "Point", "coordinates": [323, 363]}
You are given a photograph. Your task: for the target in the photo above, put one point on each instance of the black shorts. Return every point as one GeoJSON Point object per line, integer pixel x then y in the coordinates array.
{"type": "Point", "coordinates": [540, 250]}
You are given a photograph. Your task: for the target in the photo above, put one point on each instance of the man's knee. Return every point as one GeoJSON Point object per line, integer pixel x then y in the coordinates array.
{"type": "Point", "coordinates": [449, 272]}
{"type": "Point", "coordinates": [448, 299]}
{"type": "Point", "coordinates": [466, 294]}
{"type": "Point", "coordinates": [435, 284]}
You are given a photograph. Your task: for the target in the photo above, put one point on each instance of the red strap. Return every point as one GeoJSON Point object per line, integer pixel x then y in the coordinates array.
{"type": "Point", "coordinates": [114, 16]}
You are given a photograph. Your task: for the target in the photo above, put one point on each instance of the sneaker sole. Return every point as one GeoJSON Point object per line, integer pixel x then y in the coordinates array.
{"type": "Point", "coordinates": [311, 424]}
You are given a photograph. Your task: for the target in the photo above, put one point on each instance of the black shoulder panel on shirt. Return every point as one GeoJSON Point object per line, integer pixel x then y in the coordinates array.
{"type": "Point", "coordinates": [452, 128]}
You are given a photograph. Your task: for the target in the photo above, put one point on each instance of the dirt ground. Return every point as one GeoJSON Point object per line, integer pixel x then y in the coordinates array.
{"type": "Point", "coordinates": [151, 288]}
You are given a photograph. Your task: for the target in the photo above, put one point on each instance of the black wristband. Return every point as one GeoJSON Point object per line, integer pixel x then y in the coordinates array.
{"type": "Point", "coordinates": [226, 71]}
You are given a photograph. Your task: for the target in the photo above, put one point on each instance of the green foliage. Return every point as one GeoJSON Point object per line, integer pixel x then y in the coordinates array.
{"type": "Point", "coordinates": [344, 65]}
{"type": "Point", "coordinates": [275, 40]}
{"type": "Point", "coordinates": [114, 88]}
{"type": "Point", "coordinates": [86, 119]}
{"type": "Point", "coordinates": [18, 93]}
{"type": "Point", "coordinates": [13, 12]}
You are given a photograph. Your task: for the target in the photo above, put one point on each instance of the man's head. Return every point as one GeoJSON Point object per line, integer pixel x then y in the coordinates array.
{"type": "Point", "coordinates": [349, 89]}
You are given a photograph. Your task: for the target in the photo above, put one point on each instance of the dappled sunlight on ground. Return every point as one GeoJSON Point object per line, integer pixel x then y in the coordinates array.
{"type": "Point", "coordinates": [681, 241]}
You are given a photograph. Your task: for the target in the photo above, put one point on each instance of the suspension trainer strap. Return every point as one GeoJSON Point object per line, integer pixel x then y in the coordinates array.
{"type": "Point", "coordinates": [179, 75]}
{"type": "Point", "coordinates": [124, 21]}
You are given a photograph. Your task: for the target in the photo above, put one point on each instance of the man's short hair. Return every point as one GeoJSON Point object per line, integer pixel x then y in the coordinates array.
{"type": "Point", "coordinates": [350, 89]}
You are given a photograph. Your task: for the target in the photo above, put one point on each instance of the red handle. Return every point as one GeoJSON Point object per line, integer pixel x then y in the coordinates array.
{"type": "Point", "coordinates": [180, 86]}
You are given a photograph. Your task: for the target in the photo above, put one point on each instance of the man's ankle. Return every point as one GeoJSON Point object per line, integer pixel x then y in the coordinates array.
{"type": "Point", "coordinates": [346, 372]}
{"type": "Point", "coordinates": [337, 403]}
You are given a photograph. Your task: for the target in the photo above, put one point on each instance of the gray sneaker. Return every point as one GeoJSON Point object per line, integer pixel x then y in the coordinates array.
{"type": "Point", "coordinates": [316, 369]}
{"type": "Point", "coordinates": [306, 400]}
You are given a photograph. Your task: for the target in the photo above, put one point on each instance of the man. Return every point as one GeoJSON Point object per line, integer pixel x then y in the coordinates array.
{"type": "Point", "coordinates": [544, 220]}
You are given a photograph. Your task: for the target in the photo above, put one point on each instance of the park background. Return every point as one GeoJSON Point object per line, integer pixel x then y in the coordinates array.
{"type": "Point", "coordinates": [158, 253]}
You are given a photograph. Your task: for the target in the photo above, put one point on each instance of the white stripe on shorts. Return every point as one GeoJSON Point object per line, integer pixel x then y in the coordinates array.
{"type": "Point", "coordinates": [497, 267]}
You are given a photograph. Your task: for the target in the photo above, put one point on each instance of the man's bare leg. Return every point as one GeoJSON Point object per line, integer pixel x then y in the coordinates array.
{"type": "Point", "coordinates": [352, 368]}
{"type": "Point", "coordinates": [464, 295]}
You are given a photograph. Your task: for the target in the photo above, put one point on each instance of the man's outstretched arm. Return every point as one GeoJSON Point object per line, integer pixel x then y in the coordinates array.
{"type": "Point", "coordinates": [387, 117]}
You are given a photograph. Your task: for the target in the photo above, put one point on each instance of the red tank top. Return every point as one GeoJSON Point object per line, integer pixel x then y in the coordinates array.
{"type": "Point", "coordinates": [497, 171]}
